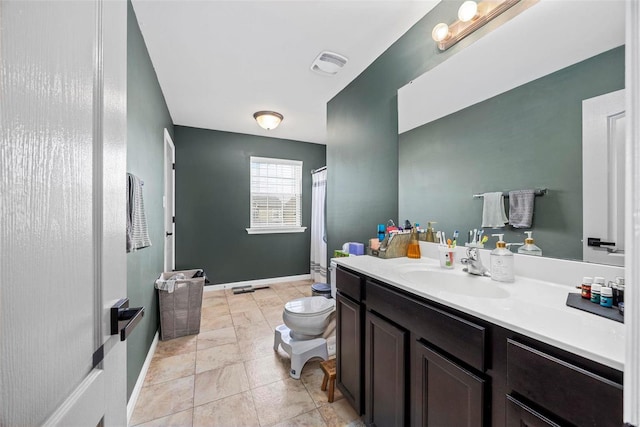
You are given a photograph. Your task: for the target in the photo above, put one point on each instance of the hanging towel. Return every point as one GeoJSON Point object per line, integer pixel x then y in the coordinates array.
{"type": "Point", "coordinates": [521, 208]}
{"type": "Point", "coordinates": [493, 215]}
{"type": "Point", "coordinates": [137, 232]}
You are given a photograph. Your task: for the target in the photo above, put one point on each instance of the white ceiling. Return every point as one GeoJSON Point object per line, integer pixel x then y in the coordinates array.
{"type": "Point", "coordinates": [218, 62]}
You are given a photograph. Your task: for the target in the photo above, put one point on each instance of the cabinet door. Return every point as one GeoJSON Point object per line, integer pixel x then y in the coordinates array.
{"type": "Point", "coordinates": [518, 414]}
{"type": "Point", "coordinates": [384, 372]}
{"type": "Point", "coordinates": [444, 393]}
{"type": "Point", "coordinates": [349, 350]}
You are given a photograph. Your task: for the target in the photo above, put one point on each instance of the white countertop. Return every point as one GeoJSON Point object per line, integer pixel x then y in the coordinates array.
{"type": "Point", "coordinates": [530, 307]}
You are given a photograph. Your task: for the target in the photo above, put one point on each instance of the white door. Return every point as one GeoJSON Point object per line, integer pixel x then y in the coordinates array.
{"type": "Point", "coordinates": [62, 211]}
{"type": "Point", "coordinates": [603, 182]}
{"type": "Point", "coordinates": [169, 203]}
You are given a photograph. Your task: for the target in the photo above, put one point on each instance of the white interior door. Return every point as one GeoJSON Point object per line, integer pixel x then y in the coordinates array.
{"type": "Point", "coordinates": [169, 203]}
{"type": "Point", "coordinates": [62, 219]}
{"type": "Point", "coordinates": [603, 170]}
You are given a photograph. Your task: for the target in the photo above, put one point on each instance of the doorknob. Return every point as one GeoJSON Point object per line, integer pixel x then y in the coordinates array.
{"type": "Point", "coordinates": [595, 242]}
{"type": "Point", "coordinates": [124, 319]}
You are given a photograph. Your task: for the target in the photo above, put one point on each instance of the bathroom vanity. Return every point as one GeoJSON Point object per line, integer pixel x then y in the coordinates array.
{"type": "Point", "coordinates": [420, 346]}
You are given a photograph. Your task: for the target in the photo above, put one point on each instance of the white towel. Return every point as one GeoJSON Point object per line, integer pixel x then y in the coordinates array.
{"type": "Point", "coordinates": [137, 232]}
{"type": "Point", "coordinates": [493, 215]}
{"type": "Point", "coordinates": [169, 284]}
{"type": "Point", "coordinates": [521, 208]}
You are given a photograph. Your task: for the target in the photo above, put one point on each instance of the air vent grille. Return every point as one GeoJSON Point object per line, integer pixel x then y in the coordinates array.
{"type": "Point", "coordinates": [328, 63]}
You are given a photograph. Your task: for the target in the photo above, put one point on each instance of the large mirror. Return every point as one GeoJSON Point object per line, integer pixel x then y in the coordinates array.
{"type": "Point", "coordinates": [505, 113]}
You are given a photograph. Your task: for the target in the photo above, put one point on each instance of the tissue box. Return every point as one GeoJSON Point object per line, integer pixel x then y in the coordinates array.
{"type": "Point", "coordinates": [356, 248]}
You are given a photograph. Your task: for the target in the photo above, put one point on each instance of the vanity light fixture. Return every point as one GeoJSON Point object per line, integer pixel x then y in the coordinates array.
{"type": "Point", "coordinates": [268, 119]}
{"type": "Point", "coordinates": [471, 16]}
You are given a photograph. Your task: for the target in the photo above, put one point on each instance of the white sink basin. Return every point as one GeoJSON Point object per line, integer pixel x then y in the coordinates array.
{"type": "Point", "coordinates": [454, 282]}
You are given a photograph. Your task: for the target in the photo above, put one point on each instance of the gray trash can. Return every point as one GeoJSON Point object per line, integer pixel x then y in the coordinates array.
{"type": "Point", "coordinates": [180, 310]}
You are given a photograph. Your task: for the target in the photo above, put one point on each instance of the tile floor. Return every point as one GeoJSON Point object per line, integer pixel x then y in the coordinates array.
{"type": "Point", "coordinates": [229, 374]}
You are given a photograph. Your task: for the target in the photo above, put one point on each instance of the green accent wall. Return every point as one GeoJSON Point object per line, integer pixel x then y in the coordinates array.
{"type": "Point", "coordinates": [147, 117]}
{"type": "Point", "coordinates": [212, 206]}
{"type": "Point", "coordinates": [528, 137]}
{"type": "Point", "coordinates": [362, 131]}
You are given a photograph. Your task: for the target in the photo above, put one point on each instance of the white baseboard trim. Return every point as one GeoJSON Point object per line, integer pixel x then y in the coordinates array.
{"type": "Point", "coordinates": [131, 404]}
{"type": "Point", "coordinates": [257, 282]}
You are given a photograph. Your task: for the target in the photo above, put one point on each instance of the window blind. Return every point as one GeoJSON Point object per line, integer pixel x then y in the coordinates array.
{"type": "Point", "coordinates": [276, 194]}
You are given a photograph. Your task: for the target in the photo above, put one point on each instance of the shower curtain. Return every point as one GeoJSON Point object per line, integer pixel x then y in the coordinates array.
{"type": "Point", "coordinates": [318, 229]}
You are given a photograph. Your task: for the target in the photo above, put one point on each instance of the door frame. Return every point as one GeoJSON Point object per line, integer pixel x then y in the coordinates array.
{"type": "Point", "coordinates": [169, 211]}
{"type": "Point", "coordinates": [598, 115]}
{"type": "Point", "coordinates": [632, 218]}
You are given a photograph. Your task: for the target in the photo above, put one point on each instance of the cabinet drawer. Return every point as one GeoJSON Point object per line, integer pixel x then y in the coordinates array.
{"type": "Point", "coordinates": [519, 414]}
{"type": "Point", "coordinates": [349, 284]}
{"type": "Point", "coordinates": [458, 337]}
{"type": "Point", "coordinates": [574, 394]}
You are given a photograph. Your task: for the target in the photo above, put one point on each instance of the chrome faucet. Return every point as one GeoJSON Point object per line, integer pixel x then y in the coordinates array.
{"type": "Point", "coordinates": [474, 263]}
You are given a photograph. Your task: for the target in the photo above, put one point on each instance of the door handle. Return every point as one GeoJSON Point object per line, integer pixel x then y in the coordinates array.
{"type": "Point", "coordinates": [595, 242]}
{"type": "Point", "coordinates": [124, 319]}
{"type": "Point", "coordinates": [168, 234]}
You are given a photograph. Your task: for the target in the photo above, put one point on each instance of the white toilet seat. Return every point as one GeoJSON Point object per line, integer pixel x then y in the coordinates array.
{"type": "Point", "coordinates": [309, 306]}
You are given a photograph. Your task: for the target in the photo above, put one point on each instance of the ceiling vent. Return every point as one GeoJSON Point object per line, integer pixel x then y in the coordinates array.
{"type": "Point", "coordinates": [328, 63]}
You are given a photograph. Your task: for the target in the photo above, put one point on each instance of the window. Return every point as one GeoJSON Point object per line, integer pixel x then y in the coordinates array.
{"type": "Point", "coordinates": [276, 196]}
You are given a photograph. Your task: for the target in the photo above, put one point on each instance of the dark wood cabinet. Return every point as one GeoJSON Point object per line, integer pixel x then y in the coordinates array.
{"type": "Point", "coordinates": [349, 350]}
{"type": "Point", "coordinates": [385, 385]}
{"type": "Point", "coordinates": [349, 337]}
{"type": "Point", "coordinates": [406, 360]}
{"type": "Point", "coordinates": [443, 392]}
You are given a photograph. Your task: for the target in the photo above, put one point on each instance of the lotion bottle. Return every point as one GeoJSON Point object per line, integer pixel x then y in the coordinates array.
{"type": "Point", "coordinates": [430, 234]}
{"type": "Point", "coordinates": [529, 247]}
{"type": "Point", "coordinates": [502, 262]}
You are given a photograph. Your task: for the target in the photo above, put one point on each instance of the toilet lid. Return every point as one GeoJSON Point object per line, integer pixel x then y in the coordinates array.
{"type": "Point", "coordinates": [310, 306]}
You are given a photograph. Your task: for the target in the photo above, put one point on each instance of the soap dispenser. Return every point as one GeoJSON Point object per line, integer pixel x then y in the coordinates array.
{"type": "Point", "coordinates": [529, 248]}
{"type": "Point", "coordinates": [413, 251]}
{"type": "Point", "coordinates": [502, 262]}
{"type": "Point", "coordinates": [430, 237]}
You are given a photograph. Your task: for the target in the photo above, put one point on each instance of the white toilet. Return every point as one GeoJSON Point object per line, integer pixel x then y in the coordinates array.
{"type": "Point", "coordinates": [305, 320]}
{"type": "Point", "coordinates": [308, 317]}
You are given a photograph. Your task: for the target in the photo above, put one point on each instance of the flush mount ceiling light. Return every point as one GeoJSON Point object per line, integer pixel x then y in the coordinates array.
{"type": "Point", "coordinates": [328, 63]}
{"type": "Point", "coordinates": [471, 16]}
{"type": "Point", "coordinates": [268, 119]}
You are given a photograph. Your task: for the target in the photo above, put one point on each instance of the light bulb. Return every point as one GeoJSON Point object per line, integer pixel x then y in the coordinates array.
{"type": "Point", "coordinates": [467, 11]}
{"type": "Point", "coordinates": [440, 32]}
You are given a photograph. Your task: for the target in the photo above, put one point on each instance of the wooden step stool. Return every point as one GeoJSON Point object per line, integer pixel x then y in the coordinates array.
{"type": "Point", "coordinates": [329, 369]}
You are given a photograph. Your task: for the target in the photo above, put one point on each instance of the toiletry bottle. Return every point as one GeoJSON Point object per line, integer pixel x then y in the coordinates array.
{"type": "Point", "coordinates": [430, 234]}
{"type": "Point", "coordinates": [606, 297]}
{"type": "Point", "coordinates": [529, 248]}
{"type": "Point", "coordinates": [586, 287]}
{"type": "Point", "coordinates": [595, 293]}
{"type": "Point", "coordinates": [502, 262]}
{"type": "Point", "coordinates": [381, 232]}
{"type": "Point", "coordinates": [618, 292]}
{"type": "Point", "coordinates": [413, 251]}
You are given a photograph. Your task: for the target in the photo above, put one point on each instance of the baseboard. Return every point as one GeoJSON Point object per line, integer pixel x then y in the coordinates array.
{"type": "Point", "coordinates": [131, 404]}
{"type": "Point", "coordinates": [257, 282]}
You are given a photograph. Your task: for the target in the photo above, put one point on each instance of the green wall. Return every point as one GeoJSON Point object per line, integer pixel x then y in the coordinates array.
{"type": "Point", "coordinates": [362, 127]}
{"type": "Point", "coordinates": [147, 117]}
{"type": "Point", "coordinates": [528, 137]}
{"type": "Point", "coordinates": [212, 206]}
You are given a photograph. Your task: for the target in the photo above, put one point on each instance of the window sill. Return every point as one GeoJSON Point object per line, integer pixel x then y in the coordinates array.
{"type": "Point", "coordinates": [266, 230]}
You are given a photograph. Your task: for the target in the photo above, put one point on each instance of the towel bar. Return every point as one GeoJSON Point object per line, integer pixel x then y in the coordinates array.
{"type": "Point", "coordinates": [538, 192]}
